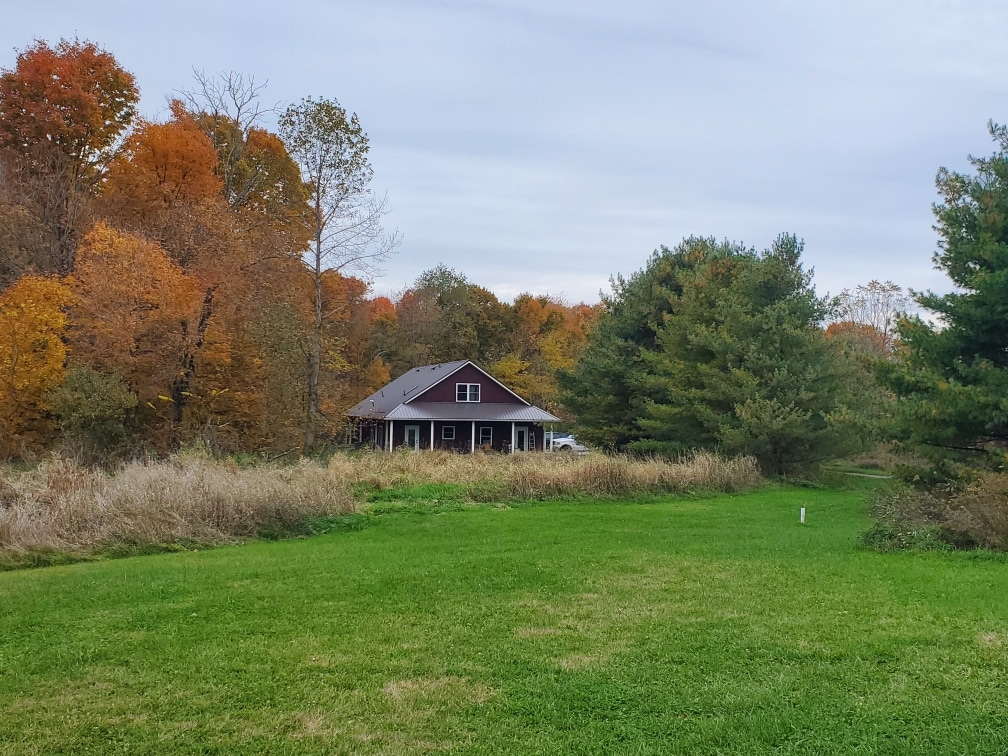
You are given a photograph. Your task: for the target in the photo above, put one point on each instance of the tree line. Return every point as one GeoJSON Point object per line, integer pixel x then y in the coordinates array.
{"type": "Point", "coordinates": [204, 278]}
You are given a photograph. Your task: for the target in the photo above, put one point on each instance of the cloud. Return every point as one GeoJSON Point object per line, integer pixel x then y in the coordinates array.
{"type": "Point", "coordinates": [553, 143]}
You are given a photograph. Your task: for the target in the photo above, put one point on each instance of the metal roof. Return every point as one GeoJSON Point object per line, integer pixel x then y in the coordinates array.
{"type": "Point", "coordinates": [467, 411]}
{"type": "Point", "coordinates": [395, 401]}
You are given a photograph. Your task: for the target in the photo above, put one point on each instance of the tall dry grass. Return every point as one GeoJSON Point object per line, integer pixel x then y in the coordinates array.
{"type": "Point", "coordinates": [549, 476]}
{"type": "Point", "coordinates": [63, 506]}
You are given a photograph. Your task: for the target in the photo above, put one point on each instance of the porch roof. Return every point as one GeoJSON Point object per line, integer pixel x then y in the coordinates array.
{"type": "Point", "coordinates": [469, 411]}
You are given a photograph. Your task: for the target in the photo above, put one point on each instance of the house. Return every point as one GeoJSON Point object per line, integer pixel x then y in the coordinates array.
{"type": "Point", "coordinates": [453, 405]}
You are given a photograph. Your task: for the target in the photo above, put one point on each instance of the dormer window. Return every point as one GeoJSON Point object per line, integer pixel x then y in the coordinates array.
{"type": "Point", "coordinates": [467, 392]}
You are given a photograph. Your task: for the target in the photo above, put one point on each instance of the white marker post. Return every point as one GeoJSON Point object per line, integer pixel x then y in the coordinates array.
{"type": "Point", "coordinates": [801, 516]}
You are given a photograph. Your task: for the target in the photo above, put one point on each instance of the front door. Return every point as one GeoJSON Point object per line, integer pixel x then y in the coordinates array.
{"type": "Point", "coordinates": [521, 438]}
{"type": "Point", "coordinates": [411, 439]}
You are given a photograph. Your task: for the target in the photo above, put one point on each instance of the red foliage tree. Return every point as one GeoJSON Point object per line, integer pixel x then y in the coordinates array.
{"type": "Point", "coordinates": [63, 110]}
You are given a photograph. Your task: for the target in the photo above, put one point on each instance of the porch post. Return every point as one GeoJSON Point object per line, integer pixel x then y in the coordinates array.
{"type": "Point", "coordinates": [432, 435]}
{"type": "Point", "coordinates": [390, 424]}
{"type": "Point", "coordinates": [472, 450]}
{"type": "Point", "coordinates": [512, 437]}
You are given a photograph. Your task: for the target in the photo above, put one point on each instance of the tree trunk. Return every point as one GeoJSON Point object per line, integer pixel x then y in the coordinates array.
{"type": "Point", "coordinates": [180, 388]}
{"type": "Point", "coordinates": [314, 356]}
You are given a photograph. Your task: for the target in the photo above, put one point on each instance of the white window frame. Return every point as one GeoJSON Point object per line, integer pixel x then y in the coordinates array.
{"type": "Point", "coordinates": [466, 394]}
{"type": "Point", "coordinates": [488, 430]}
{"type": "Point", "coordinates": [447, 432]}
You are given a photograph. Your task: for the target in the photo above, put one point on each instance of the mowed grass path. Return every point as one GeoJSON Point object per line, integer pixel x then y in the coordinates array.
{"type": "Point", "coordinates": [716, 625]}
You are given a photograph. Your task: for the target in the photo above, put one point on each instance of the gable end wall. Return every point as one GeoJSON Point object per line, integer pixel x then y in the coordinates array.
{"type": "Point", "coordinates": [490, 390]}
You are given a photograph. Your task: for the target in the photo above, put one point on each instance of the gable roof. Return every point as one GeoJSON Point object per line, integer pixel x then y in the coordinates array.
{"type": "Point", "coordinates": [391, 400]}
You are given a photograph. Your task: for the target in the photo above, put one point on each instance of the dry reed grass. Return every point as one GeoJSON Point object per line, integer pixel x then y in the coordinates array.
{"type": "Point", "coordinates": [550, 476]}
{"type": "Point", "coordinates": [63, 506]}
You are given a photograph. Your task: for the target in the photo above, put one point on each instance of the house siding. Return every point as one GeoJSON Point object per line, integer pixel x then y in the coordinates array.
{"type": "Point", "coordinates": [490, 390]}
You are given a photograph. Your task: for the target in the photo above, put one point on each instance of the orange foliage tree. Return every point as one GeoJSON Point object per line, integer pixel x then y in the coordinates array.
{"type": "Point", "coordinates": [62, 111]}
{"type": "Point", "coordinates": [165, 164]}
{"type": "Point", "coordinates": [863, 339]}
{"type": "Point", "coordinates": [32, 355]}
{"type": "Point", "coordinates": [134, 314]}
{"type": "Point", "coordinates": [163, 185]}
{"type": "Point", "coordinates": [351, 371]}
{"type": "Point", "coordinates": [167, 184]}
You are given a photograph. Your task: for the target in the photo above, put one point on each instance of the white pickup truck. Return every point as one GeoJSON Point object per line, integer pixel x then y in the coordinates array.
{"type": "Point", "coordinates": [556, 441]}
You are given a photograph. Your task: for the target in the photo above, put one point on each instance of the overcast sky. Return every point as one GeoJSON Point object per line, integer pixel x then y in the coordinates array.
{"type": "Point", "coordinates": [545, 145]}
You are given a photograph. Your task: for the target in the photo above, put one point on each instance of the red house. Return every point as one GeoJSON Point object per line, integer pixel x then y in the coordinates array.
{"type": "Point", "coordinates": [453, 405]}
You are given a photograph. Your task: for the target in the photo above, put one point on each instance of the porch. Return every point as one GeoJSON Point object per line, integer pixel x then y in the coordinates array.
{"type": "Point", "coordinates": [459, 435]}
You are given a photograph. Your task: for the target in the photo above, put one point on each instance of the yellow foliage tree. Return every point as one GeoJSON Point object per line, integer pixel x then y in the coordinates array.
{"type": "Point", "coordinates": [32, 356]}
{"type": "Point", "coordinates": [512, 371]}
{"type": "Point", "coordinates": [549, 335]}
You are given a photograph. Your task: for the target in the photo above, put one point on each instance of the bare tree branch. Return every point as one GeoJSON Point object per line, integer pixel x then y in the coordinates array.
{"type": "Point", "coordinates": [227, 106]}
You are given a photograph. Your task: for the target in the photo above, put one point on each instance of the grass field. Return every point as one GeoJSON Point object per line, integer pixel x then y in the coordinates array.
{"type": "Point", "coordinates": [707, 625]}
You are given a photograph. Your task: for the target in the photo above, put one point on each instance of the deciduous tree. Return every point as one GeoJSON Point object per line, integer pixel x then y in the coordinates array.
{"type": "Point", "coordinates": [259, 180]}
{"type": "Point", "coordinates": [135, 314]}
{"type": "Point", "coordinates": [63, 110]}
{"type": "Point", "coordinates": [345, 218]}
{"type": "Point", "coordinates": [548, 336]}
{"type": "Point", "coordinates": [32, 354]}
{"type": "Point", "coordinates": [164, 165]}
{"type": "Point", "coordinates": [229, 111]}
{"type": "Point", "coordinates": [862, 339]}
{"type": "Point", "coordinates": [876, 307]}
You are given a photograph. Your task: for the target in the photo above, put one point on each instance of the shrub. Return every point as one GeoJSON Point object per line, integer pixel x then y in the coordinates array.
{"type": "Point", "coordinates": [907, 518]}
{"type": "Point", "coordinates": [979, 513]}
{"type": "Point", "coordinates": [972, 516]}
{"type": "Point", "coordinates": [883, 536]}
{"type": "Point", "coordinates": [92, 408]}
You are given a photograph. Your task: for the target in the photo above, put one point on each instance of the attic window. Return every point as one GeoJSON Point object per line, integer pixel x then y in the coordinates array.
{"type": "Point", "coordinates": [467, 392]}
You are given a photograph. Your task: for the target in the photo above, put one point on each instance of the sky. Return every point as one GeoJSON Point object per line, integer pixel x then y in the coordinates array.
{"type": "Point", "coordinates": [544, 146]}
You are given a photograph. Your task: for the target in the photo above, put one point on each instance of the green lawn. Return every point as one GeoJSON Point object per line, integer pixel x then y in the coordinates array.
{"type": "Point", "coordinates": [716, 625]}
